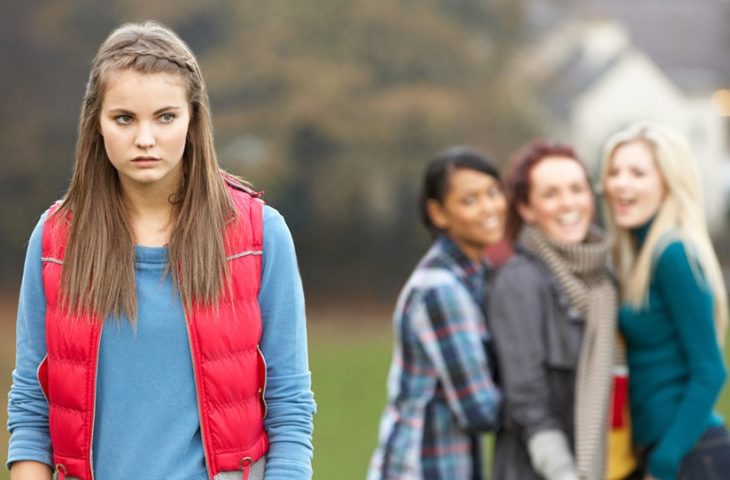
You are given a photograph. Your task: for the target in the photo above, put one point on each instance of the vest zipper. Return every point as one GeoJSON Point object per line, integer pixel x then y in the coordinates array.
{"type": "Point", "coordinates": [197, 397]}
{"type": "Point", "coordinates": [93, 405]}
{"type": "Point", "coordinates": [262, 390]}
{"type": "Point", "coordinates": [246, 467]}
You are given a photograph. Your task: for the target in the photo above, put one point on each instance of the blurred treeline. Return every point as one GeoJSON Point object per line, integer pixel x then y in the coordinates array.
{"type": "Point", "coordinates": [330, 106]}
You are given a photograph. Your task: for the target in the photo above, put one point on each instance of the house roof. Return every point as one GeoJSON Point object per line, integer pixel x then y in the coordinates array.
{"type": "Point", "coordinates": [574, 76]}
{"type": "Point", "coordinates": [571, 57]}
{"type": "Point", "coordinates": [689, 40]}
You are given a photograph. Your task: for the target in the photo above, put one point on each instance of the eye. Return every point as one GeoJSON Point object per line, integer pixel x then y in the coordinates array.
{"type": "Point", "coordinates": [494, 192]}
{"type": "Point", "coordinates": [123, 119]}
{"type": "Point", "coordinates": [167, 117]}
{"type": "Point", "coordinates": [637, 172]}
{"type": "Point", "coordinates": [579, 188]}
{"type": "Point", "coordinates": [468, 199]}
{"type": "Point", "coordinates": [549, 193]}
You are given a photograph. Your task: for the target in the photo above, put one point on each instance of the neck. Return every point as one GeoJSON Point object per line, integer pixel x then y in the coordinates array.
{"type": "Point", "coordinates": [150, 215]}
{"type": "Point", "coordinates": [641, 232]}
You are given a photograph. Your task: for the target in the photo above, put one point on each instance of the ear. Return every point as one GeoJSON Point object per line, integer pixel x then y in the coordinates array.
{"type": "Point", "coordinates": [437, 214]}
{"type": "Point", "coordinates": [526, 212]}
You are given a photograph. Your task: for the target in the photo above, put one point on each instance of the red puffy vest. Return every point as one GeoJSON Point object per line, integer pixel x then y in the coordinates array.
{"type": "Point", "coordinates": [230, 373]}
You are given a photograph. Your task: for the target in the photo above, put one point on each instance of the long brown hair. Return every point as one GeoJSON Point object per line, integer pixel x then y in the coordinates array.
{"type": "Point", "coordinates": [98, 275]}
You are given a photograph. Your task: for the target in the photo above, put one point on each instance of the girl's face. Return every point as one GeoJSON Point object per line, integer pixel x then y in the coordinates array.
{"type": "Point", "coordinates": [472, 212]}
{"type": "Point", "coordinates": [560, 202]}
{"type": "Point", "coordinates": [144, 121]}
{"type": "Point", "coordinates": [633, 187]}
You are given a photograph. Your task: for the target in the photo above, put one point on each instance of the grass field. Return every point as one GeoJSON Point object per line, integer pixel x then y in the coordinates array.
{"type": "Point", "coordinates": [349, 356]}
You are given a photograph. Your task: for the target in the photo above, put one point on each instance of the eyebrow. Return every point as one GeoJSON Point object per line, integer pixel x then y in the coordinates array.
{"type": "Point", "coordinates": [156, 112]}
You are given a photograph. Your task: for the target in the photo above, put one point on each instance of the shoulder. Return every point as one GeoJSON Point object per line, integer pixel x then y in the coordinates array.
{"type": "Point", "coordinates": [238, 187]}
{"type": "Point", "coordinates": [272, 215]}
{"type": "Point", "coordinates": [278, 243]}
{"type": "Point", "coordinates": [523, 271]}
{"type": "Point", "coordinates": [672, 256]}
{"type": "Point", "coordinates": [436, 296]}
{"type": "Point", "coordinates": [36, 237]}
{"type": "Point", "coordinates": [54, 213]}
{"type": "Point", "coordinates": [429, 278]}
{"type": "Point", "coordinates": [676, 267]}
{"type": "Point", "coordinates": [246, 201]}
{"type": "Point", "coordinates": [52, 230]}
{"type": "Point", "coordinates": [275, 227]}
{"type": "Point", "coordinates": [43, 219]}
{"type": "Point", "coordinates": [435, 275]}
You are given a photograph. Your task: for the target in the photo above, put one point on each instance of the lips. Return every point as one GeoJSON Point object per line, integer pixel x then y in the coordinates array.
{"type": "Point", "coordinates": [623, 205]}
{"type": "Point", "coordinates": [569, 219]}
{"type": "Point", "coordinates": [145, 161]}
{"type": "Point", "coordinates": [491, 223]}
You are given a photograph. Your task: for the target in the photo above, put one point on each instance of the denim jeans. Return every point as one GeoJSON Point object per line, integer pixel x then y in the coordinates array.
{"type": "Point", "coordinates": [709, 459]}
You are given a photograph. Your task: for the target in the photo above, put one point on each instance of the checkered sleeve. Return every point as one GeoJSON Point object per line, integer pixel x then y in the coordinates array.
{"type": "Point", "coordinates": [453, 334]}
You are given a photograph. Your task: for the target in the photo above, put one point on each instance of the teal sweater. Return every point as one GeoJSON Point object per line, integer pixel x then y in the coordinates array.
{"type": "Point", "coordinates": [676, 370]}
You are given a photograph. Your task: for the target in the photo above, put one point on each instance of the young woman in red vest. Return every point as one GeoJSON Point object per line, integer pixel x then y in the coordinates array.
{"type": "Point", "coordinates": [161, 329]}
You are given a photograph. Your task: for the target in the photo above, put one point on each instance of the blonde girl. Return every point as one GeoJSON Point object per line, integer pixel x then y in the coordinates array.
{"type": "Point", "coordinates": [674, 307]}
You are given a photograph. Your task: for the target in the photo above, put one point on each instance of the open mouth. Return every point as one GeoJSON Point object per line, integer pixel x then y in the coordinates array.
{"type": "Point", "coordinates": [569, 219]}
{"type": "Point", "coordinates": [624, 203]}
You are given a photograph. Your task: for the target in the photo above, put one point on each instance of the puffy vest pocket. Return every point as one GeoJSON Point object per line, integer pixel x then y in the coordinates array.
{"type": "Point", "coordinates": [42, 375]}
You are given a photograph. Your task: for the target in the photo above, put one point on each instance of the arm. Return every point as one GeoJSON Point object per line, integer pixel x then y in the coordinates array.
{"type": "Point", "coordinates": [693, 314]}
{"type": "Point", "coordinates": [284, 344]}
{"type": "Point", "coordinates": [516, 317]}
{"type": "Point", "coordinates": [451, 328]}
{"type": "Point", "coordinates": [27, 406]}
{"type": "Point", "coordinates": [24, 470]}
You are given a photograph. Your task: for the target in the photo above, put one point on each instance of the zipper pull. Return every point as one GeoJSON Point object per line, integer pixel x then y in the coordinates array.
{"type": "Point", "coordinates": [61, 469]}
{"type": "Point", "coordinates": [245, 466]}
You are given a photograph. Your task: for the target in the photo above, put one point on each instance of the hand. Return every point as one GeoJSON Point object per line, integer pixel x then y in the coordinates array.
{"type": "Point", "coordinates": [29, 470]}
{"type": "Point", "coordinates": [648, 476]}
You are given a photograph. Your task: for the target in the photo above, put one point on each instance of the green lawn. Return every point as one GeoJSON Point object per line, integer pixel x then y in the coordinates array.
{"type": "Point", "coordinates": [349, 362]}
{"type": "Point", "coordinates": [349, 365]}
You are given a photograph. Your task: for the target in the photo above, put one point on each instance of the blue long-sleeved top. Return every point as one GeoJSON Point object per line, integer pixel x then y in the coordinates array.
{"type": "Point", "coordinates": [147, 423]}
{"type": "Point", "coordinates": [676, 370]}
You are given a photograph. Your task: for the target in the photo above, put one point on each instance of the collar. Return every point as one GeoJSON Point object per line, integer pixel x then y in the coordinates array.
{"type": "Point", "coordinates": [640, 233]}
{"type": "Point", "coordinates": [468, 266]}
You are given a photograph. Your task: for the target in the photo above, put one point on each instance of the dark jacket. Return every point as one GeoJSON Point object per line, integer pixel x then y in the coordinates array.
{"type": "Point", "coordinates": [537, 335]}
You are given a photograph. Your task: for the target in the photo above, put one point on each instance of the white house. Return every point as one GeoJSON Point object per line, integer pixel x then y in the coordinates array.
{"type": "Point", "coordinates": [591, 80]}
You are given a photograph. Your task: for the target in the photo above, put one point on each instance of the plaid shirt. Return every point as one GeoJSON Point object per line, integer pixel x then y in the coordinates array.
{"type": "Point", "coordinates": [440, 388]}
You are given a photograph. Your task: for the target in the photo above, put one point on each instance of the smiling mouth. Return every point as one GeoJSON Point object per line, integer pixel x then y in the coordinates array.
{"type": "Point", "coordinates": [622, 206]}
{"type": "Point", "coordinates": [491, 223]}
{"type": "Point", "coordinates": [569, 219]}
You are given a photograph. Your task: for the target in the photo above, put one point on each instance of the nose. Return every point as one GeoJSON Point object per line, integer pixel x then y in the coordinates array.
{"type": "Point", "coordinates": [489, 204]}
{"type": "Point", "coordinates": [568, 199]}
{"type": "Point", "coordinates": [145, 138]}
{"type": "Point", "coordinates": [616, 182]}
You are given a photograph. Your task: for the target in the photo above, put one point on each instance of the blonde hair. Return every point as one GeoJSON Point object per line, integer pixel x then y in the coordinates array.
{"type": "Point", "coordinates": [680, 217]}
{"type": "Point", "coordinates": [98, 272]}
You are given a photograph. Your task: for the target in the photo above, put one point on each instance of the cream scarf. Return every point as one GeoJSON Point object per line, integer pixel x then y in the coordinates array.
{"type": "Point", "coordinates": [581, 270]}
